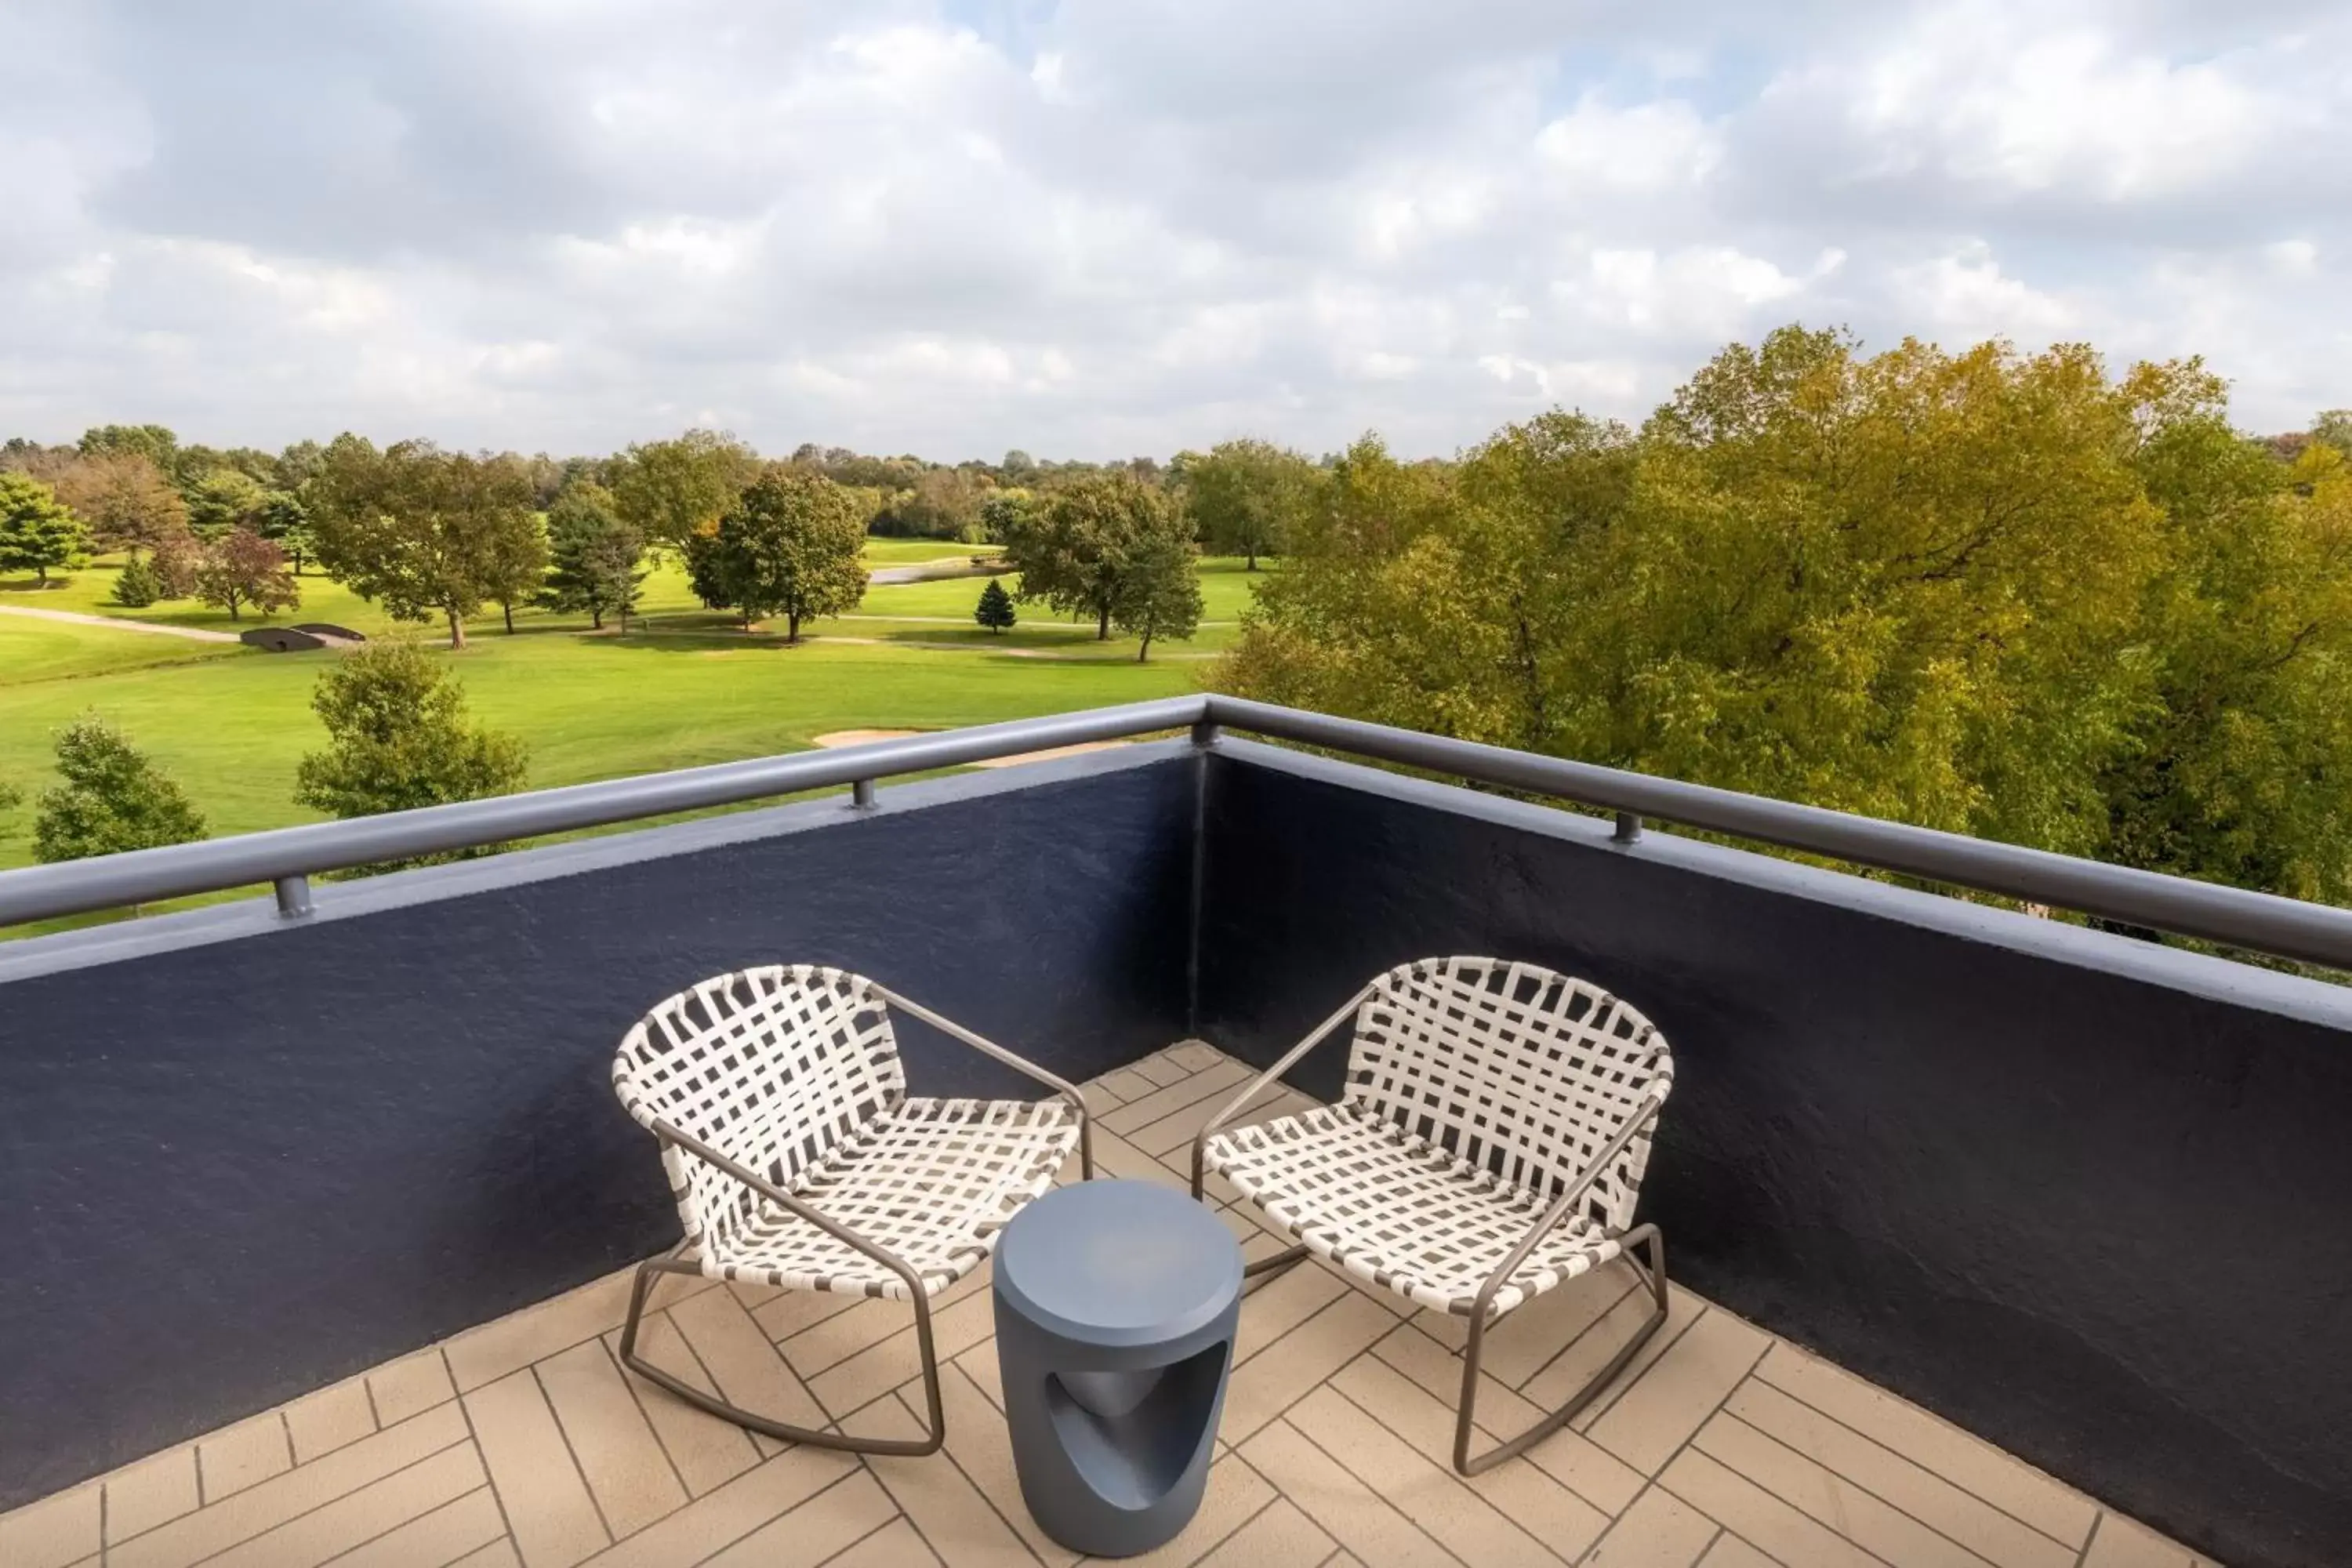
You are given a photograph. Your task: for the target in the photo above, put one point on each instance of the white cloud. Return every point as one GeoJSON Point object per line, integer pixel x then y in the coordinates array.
{"type": "Point", "coordinates": [1118, 226]}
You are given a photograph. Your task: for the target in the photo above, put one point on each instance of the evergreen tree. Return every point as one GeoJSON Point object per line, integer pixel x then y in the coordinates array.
{"type": "Point", "coordinates": [138, 586]}
{"type": "Point", "coordinates": [113, 798]}
{"type": "Point", "coordinates": [398, 737]}
{"type": "Point", "coordinates": [35, 529]}
{"type": "Point", "coordinates": [995, 608]}
{"type": "Point", "coordinates": [596, 560]}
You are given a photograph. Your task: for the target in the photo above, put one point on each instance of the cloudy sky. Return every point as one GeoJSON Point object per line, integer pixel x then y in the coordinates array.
{"type": "Point", "coordinates": [1094, 228]}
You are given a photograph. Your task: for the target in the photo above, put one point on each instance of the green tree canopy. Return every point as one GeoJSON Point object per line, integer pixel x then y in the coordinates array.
{"type": "Point", "coordinates": [425, 532]}
{"type": "Point", "coordinates": [398, 737]}
{"type": "Point", "coordinates": [112, 797]}
{"type": "Point", "coordinates": [596, 560]}
{"type": "Point", "coordinates": [1997, 594]}
{"type": "Point", "coordinates": [36, 529]}
{"type": "Point", "coordinates": [996, 609]}
{"type": "Point", "coordinates": [1074, 551]}
{"type": "Point", "coordinates": [791, 545]}
{"type": "Point", "coordinates": [671, 491]}
{"type": "Point", "coordinates": [156, 443]}
{"type": "Point", "coordinates": [1158, 592]}
{"type": "Point", "coordinates": [222, 498]}
{"type": "Point", "coordinates": [1245, 497]}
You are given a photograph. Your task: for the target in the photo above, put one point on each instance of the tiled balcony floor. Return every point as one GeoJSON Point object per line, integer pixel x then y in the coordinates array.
{"type": "Point", "coordinates": [522, 1443]}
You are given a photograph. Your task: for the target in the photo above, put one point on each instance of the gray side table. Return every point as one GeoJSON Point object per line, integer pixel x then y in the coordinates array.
{"type": "Point", "coordinates": [1116, 1307]}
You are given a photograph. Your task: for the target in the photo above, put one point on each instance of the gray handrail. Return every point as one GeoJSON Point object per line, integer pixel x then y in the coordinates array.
{"type": "Point", "coordinates": [2262, 923]}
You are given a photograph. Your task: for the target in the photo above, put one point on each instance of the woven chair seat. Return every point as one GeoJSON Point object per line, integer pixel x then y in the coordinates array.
{"type": "Point", "coordinates": [934, 1181]}
{"type": "Point", "coordinates": [1401, 1211]}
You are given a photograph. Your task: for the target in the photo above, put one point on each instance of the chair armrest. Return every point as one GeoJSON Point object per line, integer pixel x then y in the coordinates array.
{"type": "Point", "coordinates": [774, 1194]}
{"type": "Point", "coordinates": [1561, 1207]}
{"type": "Point", "coordinates": [1290, 1059]}
{"type": "Point", "coordinates": [1013, 1059]}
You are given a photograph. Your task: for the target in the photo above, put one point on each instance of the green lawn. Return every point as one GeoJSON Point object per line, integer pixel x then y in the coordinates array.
{"type": "Point", "coordinates": [59, 650]}
{"type": "Point", "coordinates": [1226, 590]}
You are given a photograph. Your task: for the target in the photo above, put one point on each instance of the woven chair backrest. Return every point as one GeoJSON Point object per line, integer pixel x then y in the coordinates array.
{"type": "Point", "coordinates": [771, 1067]}
{"type": "Point", "coordinates": [1522, 1073]}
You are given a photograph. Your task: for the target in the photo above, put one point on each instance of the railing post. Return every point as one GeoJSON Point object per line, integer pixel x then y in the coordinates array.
{"type": "Point", "coordinates": [1629, 828]}
{"type": "Point", "coordinates": [861, 796]}
{"type": "Point", "coordinates": [1204, 733]}
{"type": "Point", "coordinates": [293, 897]}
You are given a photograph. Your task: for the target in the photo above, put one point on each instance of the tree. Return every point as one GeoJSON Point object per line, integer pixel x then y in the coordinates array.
{"type": "Point", "coordinates": [1159, 591]}
{"type": "Point", "coordinates": [124, 498]}
{"type": "Point", "coordinates": [1074, 550]}
{"type": "Point", "coordinates": [513, 542]}
{"type": "Point", "coordinates": [595, 560]}
{"type": "Point", "coordinates": [222, 498]}
{"type": "Point", "coordinates": [241, 568]}
{"type": "Point", "coordinates": [398, 737]}
{"type": "Point", "coordinates": [35, 529]}
{"type": "Point", "coordinates": [285, 521]}
{"type": "Point", "coordinates": [2334, 429]}
{"type": "Point", "coordinates": [421, 530]}
{"type": "Point", "coordinates": [1245, 497]}
{"type": "Point", "coordinates": [153, 442]}
{"type": "Point", "coordinates": [792, 546]}
{"type": "Point", "coordinates": [113, 798]}
{"type": "Point", "coordinates": [945, 503]}
{"type": "Point", "coordinates": [995, 608]}
{"type": "Point", "coordinates": [670, 490]}
{"type": "Point", "coordinates": [138, 585]}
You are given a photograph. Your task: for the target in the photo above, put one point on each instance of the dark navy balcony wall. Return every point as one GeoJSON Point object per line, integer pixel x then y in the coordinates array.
{"type": "Point", "coordinates": [245, 1156]}
{"type": "Point", "coordinates": [2088, 1197]}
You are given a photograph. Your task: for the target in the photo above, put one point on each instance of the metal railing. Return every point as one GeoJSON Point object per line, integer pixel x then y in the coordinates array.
{"type": "Point", "coordinates": [287, 857]}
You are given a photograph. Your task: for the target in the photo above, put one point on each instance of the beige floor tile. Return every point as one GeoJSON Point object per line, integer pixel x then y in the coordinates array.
{"type": "Point", "coordinates": [835, 1520]}
{"type": "Point", "coordinates": [980, 1364]}
{"type": "Point", "coordinates": [1100, 1096]}
{"type": "Point", "coordinates": [360, 1517]}
{"type": "Point", "coordinates": [1566, 1372]}
{"type": "Point", "coordinates": [1569, 1457]}
{"type": "Point", "coordinates": [499, 1553]}
{"type": "Point", "coordinates": [485, 1354]}
{"type": "Point", "coordinates": [1657, 1531]}
{"type": "Point", "coordinates": [896, 1545]}
{"type": "Point", "coordinates": [959, 1524]}
{"type": "Point", "coordinates": [247, 1454]}
{"type": "Point", "coordinates": [1115, 1156]}
{"type": "Point", "coordinates": [832, 1338]}
{"type": "Point", "coordinates": [1126, 1084]}
{"type": "Point", "coordinates": [1868, 1522]}
{"type": "Point", "coordinates": [1196, 1056]}
{"type": "Point", "coordinates": [743, 1362]}
{"type": "Point", "coordinates": [1429, 1494]}
{"type": "Point", "coordinates": [1301, 1359]}
{"type": "Point", "coordinates": [791, 1310]}
{"type": "Point", "coordinates": [706, 1451]}
{"type": "Point", "coordinates": [1757, 1517]}
{"type": "Point", "coordinates": [2117, 1543]}
{"type": "Point", "coordinates": [305, 1487]}
{"type": "Point", "coordinates": [450, 1533]}
{"type": "Point", "coordinates": [2009, 1484]}
{"type": "Point", "coordinates": [152, 1492]}
{"type": "Point", "coordinates": [1175, 1133]}
{"type": "Point", "coordinates": [1234, 1495]}
{"type": "Point", "coordinates": [411, 1385]}
{"type": "Point", "coordinates": [323, 1422]}
{"type": "Point", "coordinates": [59, 1530]}
{"type": "Point", "coordinates": [982, 1448]}
{"type": "Point", "coordinates": [1526, 1340]}
{"type": "Point", "coordinates": [628, 1473]}
{"type": "Point", "coordinates": [548, 1509]}
{"type": "Point", "coordinates": [1730, 1552]}
{"type": "Point", "coordinates": [1280, 1536]}
{"type": "Point", "coordinates": [1563, 1521]}
{"type": "Point", "coordinates": [746, 1504]}
{"type": "Point", "coordinates": [872, 1372]}
{"type": "Point", "coordinates": [1158, 1071]}
{"type": "Point", "coordinates": [1281, 1304]}
{"type": "Point", "coordinates": [1214, 1086]}
{"type": "Point", "coordinates": [1925, 1497]}
{"type": "Point", "coordinates": [1350, 1511]}
{"type": "Point", "coordinates": [1658, 1413]}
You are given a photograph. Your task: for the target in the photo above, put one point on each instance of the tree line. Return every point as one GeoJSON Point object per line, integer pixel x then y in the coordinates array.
{"type": "Point", "coordinates": [2006, 595]}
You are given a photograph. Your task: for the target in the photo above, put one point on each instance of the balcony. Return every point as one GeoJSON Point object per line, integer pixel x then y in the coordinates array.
{"type": "Point", "coordinates": [1996, 1240]}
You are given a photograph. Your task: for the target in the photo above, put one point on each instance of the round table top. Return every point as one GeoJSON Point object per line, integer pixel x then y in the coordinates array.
{"type": "Point", "coordinates": [1117, 1263]}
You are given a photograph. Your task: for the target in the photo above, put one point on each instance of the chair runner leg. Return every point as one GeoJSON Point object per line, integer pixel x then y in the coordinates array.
{"type": "Point", "coordinates": [1653, 1275]}
{"type": "Point", "coordinates": [935, 1430]}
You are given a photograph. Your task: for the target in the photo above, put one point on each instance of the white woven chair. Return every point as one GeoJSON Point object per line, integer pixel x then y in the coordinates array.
{"type": "Point", "coordinates": [1490, 1147]}
{"type": "Point", "coordinates": [799, 1161]}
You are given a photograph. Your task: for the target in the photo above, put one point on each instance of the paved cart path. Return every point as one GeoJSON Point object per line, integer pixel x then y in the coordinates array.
{"type": "Point", "coordinates": [75, 617]}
